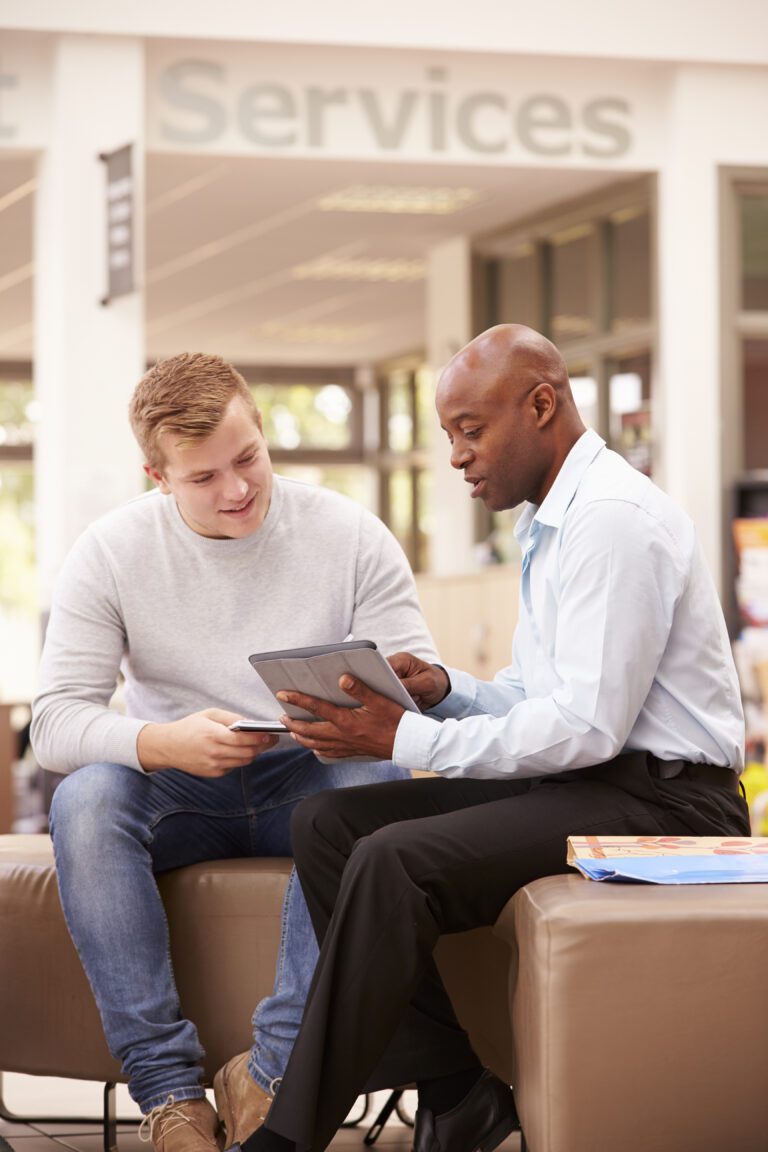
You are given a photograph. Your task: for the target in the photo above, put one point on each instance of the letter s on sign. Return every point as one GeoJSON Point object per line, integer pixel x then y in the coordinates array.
{"type": "Point", "coordinates": [618, 135]}
{"type": "Point", "coordinates": [213, 116]}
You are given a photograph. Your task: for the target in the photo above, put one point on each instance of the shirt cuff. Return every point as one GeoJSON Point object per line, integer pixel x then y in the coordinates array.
{"type": "Point", "coordinates": [415, 736]}
{"type": "Point", "coordinates": [130, 756]}
{"type": "Point", "coordinates": [460, 701]}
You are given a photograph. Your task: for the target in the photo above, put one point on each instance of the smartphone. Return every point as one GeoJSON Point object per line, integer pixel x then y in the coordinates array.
{"type": "Point", "coordinates": [257, 726]}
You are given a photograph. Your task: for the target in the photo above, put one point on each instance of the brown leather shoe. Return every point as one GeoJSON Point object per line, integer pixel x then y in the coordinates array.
{"type": "Point", "coordinates": [242, 1105]}
{"type": "Point", "coordinates": [181, 1126]}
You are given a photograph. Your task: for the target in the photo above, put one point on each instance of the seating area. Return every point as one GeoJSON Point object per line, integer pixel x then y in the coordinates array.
{"type": "Point", "coordinates": [627, 1017]}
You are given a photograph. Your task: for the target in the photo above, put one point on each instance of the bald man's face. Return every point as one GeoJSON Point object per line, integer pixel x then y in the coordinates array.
{"type": "Point", "coordinates": [495, 433]}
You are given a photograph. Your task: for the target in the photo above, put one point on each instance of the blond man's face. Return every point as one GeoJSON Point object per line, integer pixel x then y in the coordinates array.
{"type": "Point", "coordinates": [222, 485]}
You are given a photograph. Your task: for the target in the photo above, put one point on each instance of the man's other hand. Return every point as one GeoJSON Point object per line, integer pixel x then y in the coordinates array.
{"type": "Point", "coordinates": [200, 744]}
{"type": "Point", "coordinates": [428, 684]}
{"type": "Point", "coordinates": [343, 733]}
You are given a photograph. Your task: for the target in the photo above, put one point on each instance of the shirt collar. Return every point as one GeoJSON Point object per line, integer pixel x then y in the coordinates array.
{"type": "Point", "coordinates": [555, 504]}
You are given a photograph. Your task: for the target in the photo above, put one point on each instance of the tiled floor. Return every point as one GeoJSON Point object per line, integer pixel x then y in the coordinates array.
{"type": "Point", "coordinates": [31, 1095]}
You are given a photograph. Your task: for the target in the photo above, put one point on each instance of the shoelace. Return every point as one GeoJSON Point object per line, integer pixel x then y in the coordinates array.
{"type": "Point", "coordinates": [166, 1118]}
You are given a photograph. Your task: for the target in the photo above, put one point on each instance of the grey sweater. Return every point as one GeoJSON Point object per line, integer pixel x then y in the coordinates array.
{"type": "Point", "coordinates": [179, 614]}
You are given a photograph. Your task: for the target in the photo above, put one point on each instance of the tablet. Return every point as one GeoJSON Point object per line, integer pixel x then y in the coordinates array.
{"type": "Point", "coordinates": [316, 672]}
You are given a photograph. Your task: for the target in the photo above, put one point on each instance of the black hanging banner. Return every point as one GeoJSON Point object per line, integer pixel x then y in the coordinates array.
{"type": "Point", "coordinates": [119, 222]}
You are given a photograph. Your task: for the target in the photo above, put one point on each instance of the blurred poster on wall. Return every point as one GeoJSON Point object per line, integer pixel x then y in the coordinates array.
{"type": "Point", "coordinates": [119, 222]}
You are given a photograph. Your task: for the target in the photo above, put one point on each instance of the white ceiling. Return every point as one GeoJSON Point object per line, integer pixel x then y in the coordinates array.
{"type": "Point", "coordinates": [224, 237]}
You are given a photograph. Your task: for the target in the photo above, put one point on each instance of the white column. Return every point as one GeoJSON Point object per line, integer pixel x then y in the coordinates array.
{"type": "Point", "coordinates": [88, 357]}
{"type": "Point", "coordinates": [689, 415]}
{"type": "Point", "coordinates": [449, 328]}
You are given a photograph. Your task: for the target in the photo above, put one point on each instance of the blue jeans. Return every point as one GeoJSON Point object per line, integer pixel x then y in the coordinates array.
{"type": "Point", "coordinates": [113, 828]}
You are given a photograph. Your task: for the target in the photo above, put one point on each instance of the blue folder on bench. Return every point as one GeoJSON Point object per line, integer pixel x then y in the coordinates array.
{"type": "Point", "coordinates": [721, 869]}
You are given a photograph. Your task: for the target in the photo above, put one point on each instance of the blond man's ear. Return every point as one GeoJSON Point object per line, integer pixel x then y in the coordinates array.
{"type": "Point", "coordinates": [156, 477]}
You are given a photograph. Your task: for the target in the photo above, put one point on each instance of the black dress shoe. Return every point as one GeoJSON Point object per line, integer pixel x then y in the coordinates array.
{"type": "Point", "coordinates": [479, 1123]}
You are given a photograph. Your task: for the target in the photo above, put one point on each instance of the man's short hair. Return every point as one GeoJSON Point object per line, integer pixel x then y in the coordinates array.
{"type": "Point", "coordinates": [186, 395]}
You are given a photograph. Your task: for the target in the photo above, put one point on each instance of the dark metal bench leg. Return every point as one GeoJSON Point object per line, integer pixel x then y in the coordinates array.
{"type": "Point", "coordinates": [391, 1104]}
{"type": "Point", "coordinates": [110, 1118]}
{"type": "Point", "coordinates": [107, 1120]}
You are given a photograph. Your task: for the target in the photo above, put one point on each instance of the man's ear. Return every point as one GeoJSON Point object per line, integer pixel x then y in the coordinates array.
{"type": "Point", "coordinates": [157, 478]}
{"type": "Point", "coordinates": [545, 403]}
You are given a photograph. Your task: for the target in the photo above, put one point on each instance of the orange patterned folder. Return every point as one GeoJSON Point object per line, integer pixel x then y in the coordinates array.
{"type": "Point", "coordinates": [610, 847]}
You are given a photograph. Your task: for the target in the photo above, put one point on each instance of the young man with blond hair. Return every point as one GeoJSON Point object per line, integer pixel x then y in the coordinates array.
{"type": "Point", "coordinates": [174, 590]}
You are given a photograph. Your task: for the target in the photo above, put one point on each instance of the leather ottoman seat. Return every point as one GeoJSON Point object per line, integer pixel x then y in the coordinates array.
{"type": "Point", "coordinates": [640, 1015]}
{"type": "Point", "coordinates": [224, 919]}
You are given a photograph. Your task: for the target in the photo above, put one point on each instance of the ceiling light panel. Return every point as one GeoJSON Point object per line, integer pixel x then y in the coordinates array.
{"type": "Point", "coordinates": [382, 198]}
{"type": "Point", "coordinates": [389, 270]}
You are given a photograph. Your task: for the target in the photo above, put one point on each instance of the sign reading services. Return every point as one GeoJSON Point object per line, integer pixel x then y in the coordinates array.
{"type": "Point", "coordinates": [270, 115]}
{"type": "Point", "coordinates": [374, 104]}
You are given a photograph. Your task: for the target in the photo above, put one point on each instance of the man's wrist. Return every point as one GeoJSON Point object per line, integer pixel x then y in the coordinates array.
{"type": "Point", "coordinates": [150, 747]}
{"type": "Point", "coordinates": [447, 679]}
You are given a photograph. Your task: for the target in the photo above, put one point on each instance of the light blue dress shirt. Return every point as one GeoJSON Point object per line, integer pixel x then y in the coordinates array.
{"type": "Point", "coordinates": [620, 643]}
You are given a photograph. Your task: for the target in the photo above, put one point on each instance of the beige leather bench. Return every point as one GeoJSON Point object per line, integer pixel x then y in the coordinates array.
{"type": "Point", "coordinates": [629, 1018]}
{"type": "Point", "coordinates": [640, 1015]}
{"type": "Point", "coordinates": [225, 925]}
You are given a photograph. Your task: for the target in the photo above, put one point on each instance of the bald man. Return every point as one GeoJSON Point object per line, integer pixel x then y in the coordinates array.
{"type": "Point", "coordinates": [619, 715]}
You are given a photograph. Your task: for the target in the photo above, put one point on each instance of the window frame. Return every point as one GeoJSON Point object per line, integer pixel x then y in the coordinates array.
{"type": "Point", "coordinates": [12, 371]}
{"type": "Point", "coordinates": [387, 460]}
{"type": "Point", "coordinates": [737, 326]}
{"type": "Point", "coordinates": [597, 352]}
{"type": "Point", "coordinates": [287, 375]}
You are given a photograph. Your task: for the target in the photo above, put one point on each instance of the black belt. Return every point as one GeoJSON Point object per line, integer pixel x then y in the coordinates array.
{"type": "Point", "coordinates": [713, 774]}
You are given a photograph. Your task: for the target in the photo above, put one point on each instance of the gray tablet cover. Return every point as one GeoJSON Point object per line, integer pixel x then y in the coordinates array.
{"type": "Point", "coordinates": [316, 672]}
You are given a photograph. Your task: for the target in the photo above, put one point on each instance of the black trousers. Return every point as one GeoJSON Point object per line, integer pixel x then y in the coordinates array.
{"type": "Point", "coordinates": [387, 868]}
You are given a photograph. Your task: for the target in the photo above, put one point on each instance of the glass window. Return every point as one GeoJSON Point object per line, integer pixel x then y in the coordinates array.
{"type": "Point", "coordinates": [630, 268]}
{"type": "Point", "coordinates": [425, 405]}
{"type": "Point", "coordinates": [353, 480]}
{"type": "Point", "coordinates": [584, 278]}
{"type": "Point", "coordinates": [755, 404]}
{"type": "Point", "coordinates": [18, 412]}
{"type": "Point", "coordinates": [19, 640]}
{"type": "Point", "coordinates": [575, 282]}
{"type": "Point", "coordinates": [407, 499]}
{"type": "Point", "coordinates": [424, 519]}
{"type": "Point", "coordinates": [400, 411]}
{"type": "Point", "coordinates": [313, 422]}
{"type": "Point", "coordinates": [754, 253]}
{"type": "Point", "coordinates": [17, 532]}
{"type": "Point", "coordinates": [407, 408]}
{"type": "Point", "coordinates": [629, 402]}
{"type": "Point", "coordinates": [585, 393]}
{"type": "Point", "coordinates": [406, 405]}
{"type": "Point", "coordinates": [307, 416]}
{"type": "Point", "coordinates": [401, 507]}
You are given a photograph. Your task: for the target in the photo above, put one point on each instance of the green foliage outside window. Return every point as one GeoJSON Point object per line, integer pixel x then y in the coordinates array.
{"type": "Point", "coordinates": [300, 416]}
{"type": "Point", "coordinates": [18, 580]}
{"type": "Point", "coordinates": [17, 413]}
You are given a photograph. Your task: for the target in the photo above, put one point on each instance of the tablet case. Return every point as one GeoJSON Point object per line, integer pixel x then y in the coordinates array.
{"type": "Point", "coordinates": [316, 672]}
